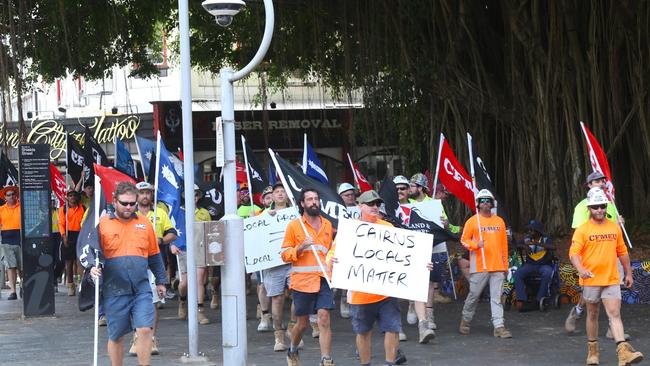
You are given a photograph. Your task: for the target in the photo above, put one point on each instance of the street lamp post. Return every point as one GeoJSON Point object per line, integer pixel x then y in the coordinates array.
{"type": "Point", "coordinates": [233, 294]}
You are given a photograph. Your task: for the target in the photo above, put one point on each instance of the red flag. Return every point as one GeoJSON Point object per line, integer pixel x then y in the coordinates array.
{"type": "Point", "coordinates": [110, 178]}
{"type": "Point", "coordinates": [241, 173]}
{"type": "Point", "coordinates": [361, 181]}
{"type": "Point", "coordinates": [454, 177]}
{"type": "Point", "coordinates": [598, 160]}
{"type": "Point", "coordinates": [180, 154]}
{"type": "Point", "coordinates": [58, 184]}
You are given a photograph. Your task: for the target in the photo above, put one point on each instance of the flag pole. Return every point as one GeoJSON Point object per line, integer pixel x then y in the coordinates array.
{"type": "Point", "coordinates": [478, 214]}
{"type": "Point", "coordinates": [155, 195]}
{"type": "Point", "coordinates": [304, 154]}
{"type": "Point", "coordinates": [97, 199]}
{"type": "Point", "coordinates": [137, 147]}
{"type": "Point", "coordinates": [248, 177]}
{"type": "Point", "coordinates": [599, 168]}
{"type": "Point", "coordinates": [435, 177]}
{"type": "Point", "coordinates": [302, 224]}
{"type": "Point", "coordinates": [354, 173]}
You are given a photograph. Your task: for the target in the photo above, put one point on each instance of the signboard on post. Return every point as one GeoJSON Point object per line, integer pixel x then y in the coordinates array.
{"type": "Point", "coordinates": [36, 232]}
{"type": "Point", "coordinates": [263, 236]}
{"type": "Point", "coordinates": [209, 237]}
{"type": "Point", "coordinates": [382, 260]}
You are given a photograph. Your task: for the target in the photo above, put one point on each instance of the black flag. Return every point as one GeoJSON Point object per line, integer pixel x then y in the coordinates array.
{"type": "Point", "coordinates": [484, 181]}
{"type": "Point", "coordinates": [331, 204]}
{"type": "Point", "coordinates": [8, 172]}
{"type": "Point", "coordinates": [213, 198]}
{"type": "Point", "coordinates": [87, 246]}
{"type": "Point", "coordinates": [255, 171]}
{"type": "Point", "coordinates": [418, 223]}
{"type": "Point", "coordinates": [75, 158]}
{"type": "Point", "coordinates": [93, 152]}
{"type": "Point", "coordinates": [388, 193]}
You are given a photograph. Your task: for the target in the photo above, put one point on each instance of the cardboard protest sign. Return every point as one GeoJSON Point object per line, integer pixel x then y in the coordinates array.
{"type": "Point", "coordinates": [382, 260]}
{"type": "Point", "coordinates": [263, 236]}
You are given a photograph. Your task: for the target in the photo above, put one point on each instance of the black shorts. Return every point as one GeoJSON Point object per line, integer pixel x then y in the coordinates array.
{"type": "Point", "coordinates": [70, 252]}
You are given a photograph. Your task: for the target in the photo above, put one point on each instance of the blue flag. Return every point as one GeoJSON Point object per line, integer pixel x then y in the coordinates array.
{"type": "Point", "coordinates": [123, 160]}
{"type": "Point", "coordinates": [146, 149]}
{"type": "Point", "coordinates": [311, 165]}
{"type": "Point", "coordinates": [169, 183]}
{"type": "Point", "coordinates": [273, 177]}
{"type": "Point", "coordinates": [178, 221]}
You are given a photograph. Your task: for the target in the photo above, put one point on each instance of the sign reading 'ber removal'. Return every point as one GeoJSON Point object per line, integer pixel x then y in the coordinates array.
{"type": "Point", "coordinates": [263, 236]}
{"type": "Point", "coordinates": [382, 260]}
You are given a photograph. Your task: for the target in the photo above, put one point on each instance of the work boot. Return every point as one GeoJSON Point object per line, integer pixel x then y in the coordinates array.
{"type": "Point", "coordinates": [266, 323]}
{"type": "Point", "coordinates": [411, 317]}
{"type": "Point", "coordinates": [502, 332]}
{"type": "Point", "coordinates": [439, 298]}
{"type": "Point", "coordinates": [627, 354]}
{"type": "Point", "coordinates": [425, 332]}
{"type": "Point", "coordinates": [182, 310]}
{"type": "Point", "coordinates": [464, 327]}
{"type": "Point", "coordinates": [402, 337]}
{"type": "Point", "coordinates": [326, 361]}
{"type": "Point", "coordinates": [214, 303]}
{"type": "Point", "coordinates": [154, 346]}
{"type": "Point", "coordinates": [610, 335]}
{"type": "Point", "coordinates": [570, 323]}
{"type": "Point", "coordinates": [203, 320]}
{"type": "Point", "coordinates": [71, 289]}
{"type": "Point", "coordinates": [279, 341]}
{"type": "Point", "coordinates": [293, 359]}
{"type": "Point", "coordinates": [315, 332]}
{"type": "Point", "coordinates": [133, 351]}
{"type": "Point", "coordinates": [345, 307]}
{"type": "Point", "coordinates": [102, 321]}
{"type": "Point", "coordinates": [593, 353]}
{"type": "Point", "coordinates": [430, 321]}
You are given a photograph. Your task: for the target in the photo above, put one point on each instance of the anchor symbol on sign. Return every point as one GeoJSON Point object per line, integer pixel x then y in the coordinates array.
{"type": "Point", "coordinates": [173, 119]}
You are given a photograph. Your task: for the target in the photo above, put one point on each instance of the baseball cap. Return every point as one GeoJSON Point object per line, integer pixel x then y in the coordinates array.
{"type": "Point", "coordinates": [594, 176]}
{"type": "Point", "coordinates": [369, 196]}
{"type": "Point", "coordinates": [141, 186]}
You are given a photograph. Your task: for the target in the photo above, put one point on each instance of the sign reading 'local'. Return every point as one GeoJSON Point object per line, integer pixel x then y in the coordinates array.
{"type": "Point", "coordinates": [263, 237]}
{"type": "Point", "coordinates": [382, 260]}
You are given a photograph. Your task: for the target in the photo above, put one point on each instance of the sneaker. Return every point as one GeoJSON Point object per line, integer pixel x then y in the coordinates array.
{"type": "Point", "coordinates": [266, 323]}
{"type": "Point", "coordinates": [326, 361]}
{"type": "Point", "coordinates": [293, 359]}
{"type": "Point", "coordinates": [203, 320]}
{"type": "Point", "coordinates": [102, 321]}
{"type": "Point", "coordinates": [430, 319]}
{"type": "Point", "coordinates": [345, 308]}
{"type": "Point", "coordinates": [424, 332]}
{"type": "Point", "coordinates": [154, 346]}
{"type": "Point", "coordinates": [400, 357]}
{"type": "Point", "coordinates": [402, 337]}
{"type": "Point", "coordinates": [132, 350]}
{"type": "Point", "coordinates": [13, 296]}
{"type": "Point", "coordinates": [570, 322]}
{"type": "Point", "coordinates": [411, 317]}
{"type": "Point", "coordinates": [214, 303]}
{"type": "Point", "coordinates": [502, 332]}
{"type": "Point", "coordinates": [170, 294]}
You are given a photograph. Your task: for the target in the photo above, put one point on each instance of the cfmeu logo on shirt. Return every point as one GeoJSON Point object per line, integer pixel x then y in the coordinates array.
{"type": "Point", "coordinates": [141, 226]}
{"type": "Point", "coordinates": [490, 228]}
{"type": "Point", "coordinates": [603, 237]}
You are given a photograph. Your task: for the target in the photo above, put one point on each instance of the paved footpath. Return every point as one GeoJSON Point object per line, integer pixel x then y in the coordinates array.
{"type": "Point", "coordinates": [539, 338]}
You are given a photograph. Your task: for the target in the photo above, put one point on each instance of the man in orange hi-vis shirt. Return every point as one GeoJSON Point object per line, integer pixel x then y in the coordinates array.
{"type": "Point", "coordinates": [11, 249]}
{"type": "Point", "coordinates": [595, 247]}
{"type": "Point", "coordinates": [311, 293]}
{"type": "Point", "coordinates": [491, 240]}
{"type": "Point", "coordinates": [70, 218]}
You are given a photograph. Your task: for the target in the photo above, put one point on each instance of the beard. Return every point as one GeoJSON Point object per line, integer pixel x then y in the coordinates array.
{"type": "Point", "coordinates": [312, 210]}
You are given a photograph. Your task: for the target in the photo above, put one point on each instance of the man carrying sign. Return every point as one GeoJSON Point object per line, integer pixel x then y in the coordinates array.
{"type": "Point", "coordinates": [311, 293]}
{"type": "Point", "coordinates": [487, 232]}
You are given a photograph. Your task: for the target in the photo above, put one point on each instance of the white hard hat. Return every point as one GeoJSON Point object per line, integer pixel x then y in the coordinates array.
{"type": "Point", "coordinates": [484, 193]}
{"type": "Point", "coordinates": [400, 179]}
{"type": "Point", "coordinates": [345, 187]}
{"type": "Point", "coordinates": [596, 196]}
{"type": "Point", "coordinates": [141, 186]}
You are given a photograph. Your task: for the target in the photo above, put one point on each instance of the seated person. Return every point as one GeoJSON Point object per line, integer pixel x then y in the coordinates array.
{"type": "Point", "coordinates": [538, 248]}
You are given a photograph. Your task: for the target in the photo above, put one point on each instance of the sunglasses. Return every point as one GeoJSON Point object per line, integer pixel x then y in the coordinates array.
{"type": "Point", "coordinates": [402, 188]}
{"type": "Point", "coordinates": [485, 200]}
{"type": "Point", "coordinates": [127, 203]}
{"type": "Point", "coordinates": [598, 207]}
{"type": "Point", "coordinates": [373, 204]}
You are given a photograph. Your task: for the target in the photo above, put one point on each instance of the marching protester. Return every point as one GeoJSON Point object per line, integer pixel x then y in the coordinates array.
{"type": "Point", "coordinates": [200, 215]}
{"type": "Point", "coordinates": [266, 320]}
{"type": "Point", "coordinates": [129, 246]}
{"type": "Point", "coordinates": [70, 218]}
{"type": "Point", "coordinates": [10, 249]}
{"type": "Point", "coordinates": [595, 248]}
{"type": "Point", "coordinates": [165, 234]}
{"type": "Point", "coordinates": [538, 249]}
{"type": "Point", "coordinates": [246, 208]}
{"type": "Point", "coordinates": [485, 233]}
{"type": "Point", "coordinates": [348, 194]}
{"type": "Point", "coordinates": [310, 290]}
{"type": "Point", "coordinates": [581, 215]}
{"type": "Point", "coordinates": [403, 187]}
{"type": "Point", "coordinates": [57, 244]}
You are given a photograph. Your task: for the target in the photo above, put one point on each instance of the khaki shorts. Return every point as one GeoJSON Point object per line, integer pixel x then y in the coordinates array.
{"type": "Point", "coordinates": [593, 294]}
{"type": "Point", "coordinates": [12, 256]}
{"type": "Point", "coordinates": [182, 262]}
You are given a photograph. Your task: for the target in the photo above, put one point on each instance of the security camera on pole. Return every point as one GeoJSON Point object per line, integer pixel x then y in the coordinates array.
{"type": "Point", "coordinates": [233, 294]}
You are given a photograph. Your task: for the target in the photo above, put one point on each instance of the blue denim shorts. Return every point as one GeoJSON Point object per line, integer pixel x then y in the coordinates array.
{"type": "Point", "coordinates": [385, 312]}
{"type": "Point", "coordinates": [307, 303]}
{"type": "Point", "coordinates": [126, 312]}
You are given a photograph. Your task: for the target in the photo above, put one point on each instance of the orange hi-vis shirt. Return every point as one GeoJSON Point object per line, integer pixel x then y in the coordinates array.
{"type": "Point", "coordinates": [10, 224]}
{"type": "Point", "coordinates": [305, 271]}
{"type": "Point", "coordinates": [127, 238]}
{"type": "Point", "coordinates": [360, 298]}
{"type": "Point", "coordinates": [599, 246]}
{"type": "Point", "coordinates": [73, 217]}
{"type": "Point", "coordinates": [495, 242]}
